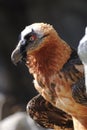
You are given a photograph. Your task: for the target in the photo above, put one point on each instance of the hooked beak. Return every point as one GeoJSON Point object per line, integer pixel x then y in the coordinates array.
{"type": "Point", "coordinates": [17, 54]}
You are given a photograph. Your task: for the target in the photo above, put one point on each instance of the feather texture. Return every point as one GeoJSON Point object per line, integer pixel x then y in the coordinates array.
{"type": "Point", "coordinates": [57, 71]}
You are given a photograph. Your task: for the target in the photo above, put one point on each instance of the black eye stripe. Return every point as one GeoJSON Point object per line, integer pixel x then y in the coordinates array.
{"type": "Point", "coordinates": [27, 36]}
{"type": "Point", "coordinates": [23, 49]}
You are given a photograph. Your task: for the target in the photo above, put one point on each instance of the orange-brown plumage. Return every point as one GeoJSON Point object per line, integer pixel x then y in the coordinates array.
{"type": "Point", "coordinates": [48, 58]}
{"type": "Point", "coordinates": [55, 72]}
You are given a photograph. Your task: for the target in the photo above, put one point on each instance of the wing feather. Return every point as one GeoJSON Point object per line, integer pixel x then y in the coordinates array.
{"type": "Point", "coordinates": [47, 115]}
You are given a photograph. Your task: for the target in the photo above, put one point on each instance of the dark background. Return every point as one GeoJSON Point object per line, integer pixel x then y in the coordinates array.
{"type": "Point", "coordinates": [69, 18]}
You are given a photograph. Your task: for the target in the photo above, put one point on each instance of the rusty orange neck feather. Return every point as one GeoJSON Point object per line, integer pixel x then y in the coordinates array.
{"type": "Point", "coordinates": [48, 59]}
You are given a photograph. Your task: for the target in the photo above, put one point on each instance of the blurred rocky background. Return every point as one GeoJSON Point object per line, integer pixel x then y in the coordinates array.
{"type": "Point", "coordinates": [69, 18]}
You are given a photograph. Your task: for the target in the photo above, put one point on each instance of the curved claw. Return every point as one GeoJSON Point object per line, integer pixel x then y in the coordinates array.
{"type": "Point", "coordinates": [79, 92]}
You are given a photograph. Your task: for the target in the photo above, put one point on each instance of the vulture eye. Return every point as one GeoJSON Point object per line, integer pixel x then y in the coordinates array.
{"type": "Point", "coordinates": [32, 38]}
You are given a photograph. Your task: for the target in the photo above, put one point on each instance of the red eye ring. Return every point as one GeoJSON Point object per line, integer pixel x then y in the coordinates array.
{"type": "Point", "coordinates": [32, 38]}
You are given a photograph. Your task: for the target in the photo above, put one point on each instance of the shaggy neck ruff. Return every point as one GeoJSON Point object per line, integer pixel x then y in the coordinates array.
{"type": "Point", "coordinates": [49, 58]}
